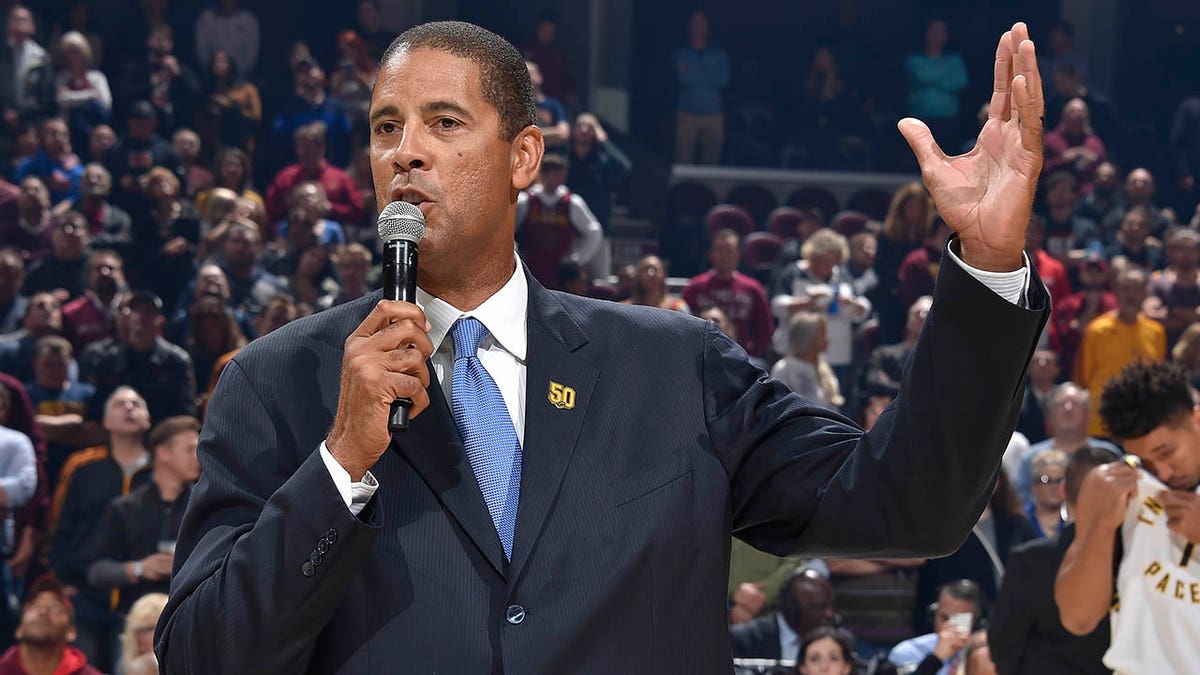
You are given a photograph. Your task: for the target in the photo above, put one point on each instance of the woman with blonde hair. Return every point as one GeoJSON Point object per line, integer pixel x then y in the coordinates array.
{"type": "Point", "coordinates": [908, 224]}
{"type": "Point", "coordinates": [804, 370]}
{"type": "Point", "coordinates": [84, 97]}
{"type": "Point", "coordinates": [817, 283]}
{"type": "Point", "coordinates": [138, 636]}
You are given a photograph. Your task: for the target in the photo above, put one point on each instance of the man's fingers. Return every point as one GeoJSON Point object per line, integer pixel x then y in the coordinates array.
{"type": "Point", "coordinates": [406, 386]}
{"type": "Point", "coordinates": [1029, 115]}
{"type": "Point", "coordinates": [407, 361]}
{"type": "Point", "coordinates": [400, 335]}
{"type": "Point", "coordinates": [1002, 79]}
{"type": "Point", "coordinates": [1026, 64]}
{"type": "Point", "coordinates": [386, 312]}
{"type": "Point", "coordinates": [923, 145]}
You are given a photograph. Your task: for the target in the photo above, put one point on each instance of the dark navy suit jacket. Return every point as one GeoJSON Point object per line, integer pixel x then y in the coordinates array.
{"type": "Point", "coordinates": [628, 498]}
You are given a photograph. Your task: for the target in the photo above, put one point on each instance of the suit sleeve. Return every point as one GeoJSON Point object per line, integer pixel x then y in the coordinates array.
{"type": "Point", "coordinates": [1012, 617]}
{"type": "Point", "coordinates": [250, 592]}
{"type": "Point", "coordinates": [805, 479]}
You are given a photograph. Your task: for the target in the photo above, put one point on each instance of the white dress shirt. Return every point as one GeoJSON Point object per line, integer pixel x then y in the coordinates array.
{"type": "Point", "coordinates": [502, 353]}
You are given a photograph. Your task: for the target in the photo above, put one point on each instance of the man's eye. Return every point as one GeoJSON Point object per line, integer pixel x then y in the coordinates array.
{"type": "Point", "coordinates": [386, 128]}
{"type": "Point", "coordinates": [447, 123]}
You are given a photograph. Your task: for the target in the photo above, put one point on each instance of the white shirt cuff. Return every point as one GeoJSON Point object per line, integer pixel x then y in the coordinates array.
{"type": "Point", "coordinates": [356, 495]}
{"type": "Point", "coordinates": [1012, 286]}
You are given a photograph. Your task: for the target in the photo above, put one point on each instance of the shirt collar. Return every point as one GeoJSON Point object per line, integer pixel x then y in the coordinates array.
{"type": "Point", "coordinates": [503, 314]}
{"type": "Point", "coordinates": [789, 642]}
{"type": "Point", "coordinates": [548, 198]}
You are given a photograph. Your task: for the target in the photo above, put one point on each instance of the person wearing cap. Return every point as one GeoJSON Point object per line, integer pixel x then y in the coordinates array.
{"type": "Point", "coordinates": [142, 359]}
{"type": "Point", "coordinates": [44, 636]}
{"type": "Point", "coordinates": [138, 151]}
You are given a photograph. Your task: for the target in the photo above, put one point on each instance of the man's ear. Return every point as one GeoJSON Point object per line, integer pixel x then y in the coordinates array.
{"type": "Point", "coordinates": [527, 150]}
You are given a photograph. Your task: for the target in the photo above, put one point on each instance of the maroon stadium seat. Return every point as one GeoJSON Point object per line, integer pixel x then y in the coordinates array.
{"type": "Point", "coordinates": [728, 217]}
{"type": "Point", "coordinates": [784, 220]}
{"type": "Point", "coordinates": [850, 223]}
{"type": "Point", "coordinates": [760, 251]}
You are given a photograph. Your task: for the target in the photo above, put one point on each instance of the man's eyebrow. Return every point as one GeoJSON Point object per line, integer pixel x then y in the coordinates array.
{"type": "Point", "coordinates": [385, 111]}
{"type": "Point", "coordinates": [446, 107]}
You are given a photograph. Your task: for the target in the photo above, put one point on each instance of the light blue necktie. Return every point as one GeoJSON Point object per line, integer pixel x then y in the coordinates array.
{"type": "Point", "coordinates": [486, 429]}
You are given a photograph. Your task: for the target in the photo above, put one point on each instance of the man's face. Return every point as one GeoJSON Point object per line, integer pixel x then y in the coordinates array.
{"type": "Point", "coordinates": [1171, 451]}
{"type": "Point", "coordinates": [20, 25]}
{"type": "Point", "coordinates": [309, 152]}
{"type": "Point", "coordinates": [1075, 116]}
{"type": "Point", "coordinates": [103, 137]}
{"type": "Point", "coordinates": [179, 455]}
{"type": "Point", "coordinates": [1135, 227]}
{"type": "Point", "coordinates": [45, 621]}
{"type": "Point", "coordinates": [1130, 290]}
{"type": "Point", "coordinates": [1182, 253]}
{"type": "Point", "coordinates": [34, 197]}
{"type": "Point", "coordinates": [1062, 195]}
{"type": "Point", "coordinates": [106, 276]}
{"type": "Point", "coordinates": [724, 254]}
{"type": "Point", "coordinates": [56, 138]}
{"type": "Point", "coordinates": [1069, 415]}
{"type": "Point", "coordinates": [1107, 180]}
{"type": "Point", "coordinates": [210, 280]}
{"type": "Point", "coordinates": [947, 607]}
{"type": "Point", "coordinates": [187, 146]}
{"type": "Point", "coordinates": [436, 140]}
{"type": "Point", "coordinates": [44, 314]}
{"type": "Point", "coordinates": [51, 366]}
{"type": "Point", "coordinates": [546, 32]}
{"type": "Point", "coordinates": [1139, 186]}
{"type": "Point", "coordinates": [127, 414]}
{"type": "Point", "coordinates": [96, 182]}
{"type": "Point", "coordinates": [144, 324]}
{"type": "Point", "coordinates": [698, 28]}
{"type": "Point", "coordinates": [69, 239]}
{"type": "Point", "coordinates": [241, 248]}
{"type": "Point", "coordinates": [1044, 366]}
{"type": "Point", "coordinates": [811, 604]}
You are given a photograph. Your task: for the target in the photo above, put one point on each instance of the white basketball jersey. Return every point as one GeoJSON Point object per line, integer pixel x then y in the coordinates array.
{"type": "Point", "coordinates": [1156, 614]}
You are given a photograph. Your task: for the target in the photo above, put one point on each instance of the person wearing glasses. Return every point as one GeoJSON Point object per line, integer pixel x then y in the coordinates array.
{"type": "Point", "coordinates": [1045, 510]}
{"type": "Point", "coordinates": [1067, 423]}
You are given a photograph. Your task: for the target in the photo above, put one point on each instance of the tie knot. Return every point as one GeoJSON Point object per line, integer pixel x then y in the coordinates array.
{"type": "Point", "coordinates": [467, 333]}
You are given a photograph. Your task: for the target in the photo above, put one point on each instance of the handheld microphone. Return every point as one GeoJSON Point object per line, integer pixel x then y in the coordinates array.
{"type": "Point", "coordinates": [401, 226]}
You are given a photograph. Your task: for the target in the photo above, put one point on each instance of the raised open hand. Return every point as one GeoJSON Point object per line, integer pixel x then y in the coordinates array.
{"type": "Point", "coordinates": [986, 195]}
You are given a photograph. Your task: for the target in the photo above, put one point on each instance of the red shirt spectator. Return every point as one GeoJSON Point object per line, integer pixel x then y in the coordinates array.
{"type": "Point", "coordinates": [551, 60]}
{"type": "Point", "coordinates": [344, 198]}
{"type": "Point", "coordinates": [1053, 273]}
{"type": "Point", "coordinates": [1073, 314]}
{"type": "Point", "coordinates": [741, 297]}
{"type": "Point", "coordinates": [1073, 146]}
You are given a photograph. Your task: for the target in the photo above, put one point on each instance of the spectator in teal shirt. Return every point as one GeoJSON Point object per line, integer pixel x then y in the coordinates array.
{"type": "Point", "coordinates": [934, 80]}
{"type": "Point", "coordinates": [702, 72]}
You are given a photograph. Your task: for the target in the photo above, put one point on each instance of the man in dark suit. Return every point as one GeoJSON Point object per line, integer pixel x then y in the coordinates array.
{"type": "Point", "coordinates": [635, 441]}
{"type": "Point", "coordinates": [805, 603]}
{"type": "Point", "coordinates": [1026, 634]}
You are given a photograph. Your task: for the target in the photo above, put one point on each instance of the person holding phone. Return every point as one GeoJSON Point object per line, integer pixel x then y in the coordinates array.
{"type": "Point", "coordinates": [957, 610]}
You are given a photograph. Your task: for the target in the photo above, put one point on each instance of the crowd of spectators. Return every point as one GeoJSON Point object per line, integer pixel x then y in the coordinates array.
{"type": "Point", "coordinates": [154, 218]}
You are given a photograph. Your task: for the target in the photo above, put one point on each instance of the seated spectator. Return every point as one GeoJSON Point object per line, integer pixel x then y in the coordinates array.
{"type": "Point", "coordinates": [551, 60]}
{"type": "Point", "coordinates": [220, 208]}
{"type": "Point", "coordinates": [54, 163]}
{"type": "Point", "coordinates": [551, 114]}
{"type": "Point", "coordinates": [60, 403]}
{"type": "Point", "coordinates": [1072, 316]}
{"type": "Point", "coordinates": [230, 29]}
{"type": "Point", "coordinates": [91, 479]}
{"type": "Point", "coordinates": [554, 225]}
{"type": "Point", "coordinates": [108, 224]}
{"type": "Point", "coordinates": [92, 316]}
{"type": "Point", "coordinates": [1069, 235]}
{"type": "Point", "coordinates": [1044, 510]}
{"type": "Point", "coordinates": [353, 265]}
{"type": "Point", "coordinates": [30, 234]}
{"type": "Point", "coordinates": [1134, 242]}
{"type": "Point", "coordinates": [1050, 269]}
{"type": "Point", "coordinates": [193, 177]}
{"type": "Point", "coordinates": [232, 170]}
{"type": "Point", "coordinates": [211, 282]}
{"type": "Point", "coordinates": [13, 302]}
{"type": "Point", "coordinates": [907, 225]}
{"type": "Point", "coordinates": [45, 634]}
{"type": "Point", "coordinates": [279, 311]}
{"type": "Point", "coordinates": [918, 271]}
{"type": "Point", "coordinates": [1174, 293]}
{"type": "Point", "coordinates": [138, 151]}
{"type": "Point", "coordinates": [1116, 339]}
{"type": "Point", "coordinates": [308, 206]}
{"type": "Point", "coordinates": [885, 369]}
{"type": "Point", "coordinates": [1105, 196]}
{"type": "Point", "coordinates": [597, 168]}
{"type": "Point", "coordinates": [941, 651]}
{"type": "Point", "coordinates": [43, 317]}
{"type": "Point", "coordinates": [141, 359]}
{"type": "Point", "coordinates": [1139, 190]}
{"type": "Point", "coordinates": [650, 286]}
{"type": "Point", "coordinates": [860, 268]}
{"type": "Point", "coordinates": [740, 298]}
{"type": "Point", "coordinates": [309, 103]}
{"type": "Point", "coordinates": [803, 368]}
{"type": "Point", "coordinates": [1187, 353]}
{"type": "Point", "coordinates": [1026, 634]}
{"type": "Point", "coordinates": [233, 109]}
{"type": "Point", "coordinates": [84, 98]}
{"type": "Point", "coordinates": [100, 142]}
{"type": "Point", "coordinates": [133, 545]}
{"type": "Point", "coordinates": [1073, 146]}
{"type": "Point", "coordinates": [213, 332]}
{"type": "Point", "coordinates": [170, 86]}
{"type": "Point", "coordinates": [137, 640]}
{"type": "Point", "coordinates": [166, 236]}
{"type": "Point", "coordinates": [1067, 418]}
{"type": "Point", "coordinates": [1001, 526]}
{"type": "Point", "coordinates": [345, 201]}
{"type": "Point", "coordinates": [250, 285]}
{"type": "Point", "coordinates": [826, 651]}
{"type": "Point", "coordinates": [817, 283]}
{"type": "Point", "coordinates": [355, 76]}
{"type": "Point", "coordinates": [805, 603]}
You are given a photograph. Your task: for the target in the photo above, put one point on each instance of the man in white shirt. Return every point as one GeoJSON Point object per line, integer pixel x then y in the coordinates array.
{"type": "Point", "coordinates": [564, 495]}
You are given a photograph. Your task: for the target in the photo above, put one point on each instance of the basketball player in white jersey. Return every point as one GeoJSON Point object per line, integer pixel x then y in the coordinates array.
{"type": "Point", "coordinates": [1145, 523]}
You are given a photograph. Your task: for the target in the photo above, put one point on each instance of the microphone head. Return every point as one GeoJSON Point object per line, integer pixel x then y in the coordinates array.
{"type": "Point", "coordinates": [401, 220]}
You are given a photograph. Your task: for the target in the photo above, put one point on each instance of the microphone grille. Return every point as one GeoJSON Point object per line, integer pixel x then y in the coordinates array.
{"type": "Point", "coordinates": [401, 220]}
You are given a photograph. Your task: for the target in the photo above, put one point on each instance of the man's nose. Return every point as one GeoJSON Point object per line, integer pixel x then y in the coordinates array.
{"type": "Point", "coordinates": [413, 151]}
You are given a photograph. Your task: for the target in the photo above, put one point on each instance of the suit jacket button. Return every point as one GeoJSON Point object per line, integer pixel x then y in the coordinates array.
{"type": "Point", "coordinates": [323, 545]}
{"type": "Point", "coordinates": [332, 536]}
{"type": "Point", "coordinates": [308, 569]}
{"type": "Point", "coordinates": [316, 558]}
{"type": "Point", "coordinates": [515, 614]}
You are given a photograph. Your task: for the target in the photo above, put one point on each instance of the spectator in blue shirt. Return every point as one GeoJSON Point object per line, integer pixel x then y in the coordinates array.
{"type": "Point", "coordinates": [60, 403]}
{"type": "Point", "coordinates": [310, 103]}
{"type": "Point", "coordinates": [935, 79]}
{"type": "Point", "coordinates": [552, 115]}
{"type": "Point", "coordinates": [54, 163]}
{"type": "Point", "coordinates": [701, 73]}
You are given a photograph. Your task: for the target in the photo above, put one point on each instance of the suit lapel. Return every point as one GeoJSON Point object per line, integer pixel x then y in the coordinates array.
{"type": "Point", "coordinates": [433, 448]}
{"type": "Point", "coordinates": [558, 388]}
